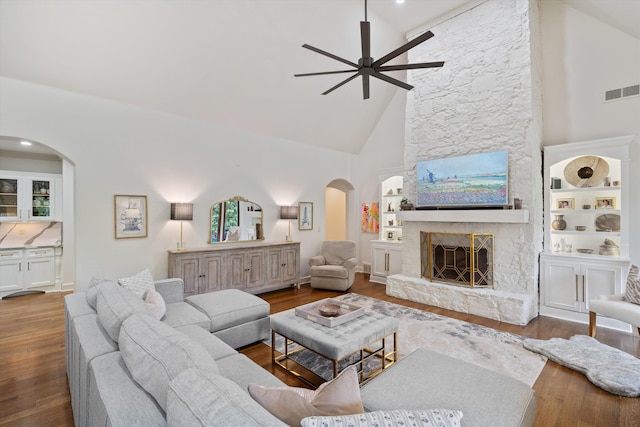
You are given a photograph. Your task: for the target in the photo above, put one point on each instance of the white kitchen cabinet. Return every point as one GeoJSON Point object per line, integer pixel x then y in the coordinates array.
{"type": "Point", "coordinates": [11, 274]}
{"type": "Point", "coordinates": [386, 259]}
{"type": "Point", "coordinates": [29, 197]}
{"type": "Point", "coordinates": [27, 270]}
{"type": "Point", "coordinates": [40, 272]}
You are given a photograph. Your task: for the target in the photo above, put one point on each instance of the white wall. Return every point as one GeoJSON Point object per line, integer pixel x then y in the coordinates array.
{"type": "Point", "coordinates": [118, 149]}
{"type": "Point", "coordinates": [383, 154]}
{"type": "Point", "coordinates": [582, 58]}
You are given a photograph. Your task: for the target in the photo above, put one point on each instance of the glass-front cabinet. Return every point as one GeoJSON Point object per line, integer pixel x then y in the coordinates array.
{"type": "Point", "coordinates": [27, 198]}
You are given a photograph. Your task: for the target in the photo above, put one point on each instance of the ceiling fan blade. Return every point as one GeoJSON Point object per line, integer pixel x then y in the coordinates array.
{"type": "Point", "coordinates": [341, 83]}
{"type": "Point", "coordinates": [323, 73]}
{"type": "Point", "coordinates": [392, 80]}
{"type": "Point", "coordinates": [402, 49]}
{"type": "Point", "coordinates": [365, 86]}
{"type": "Point", "coordinates": [330, 55]}
{"type": "Point", "coordinates": [365, 40]}
{"type": "Point", "coordinates": [410, 66]}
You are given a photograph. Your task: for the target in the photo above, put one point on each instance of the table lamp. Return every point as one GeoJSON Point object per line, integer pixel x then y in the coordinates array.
{"type": "Point", "coordinates": [288, 213]}
{"type": "Point", "coordinates": [181, 212]}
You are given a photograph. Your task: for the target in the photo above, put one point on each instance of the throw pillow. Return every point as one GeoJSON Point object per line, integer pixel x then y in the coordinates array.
{"type": "Point", "coordinates": [155, 303]}
{"type": "Point", "coordinates": [340, 396]}
{"type": "Point", "coordinates": [155, 353]}
{"type": "Point", "coordinates": [403, 418]}
{"type": "Point", "coordinates": [114, 305]}
{"type": "Point", "coordinates": [632, 292]}
{"type": "Point", "coordinates": [139, 284]}
{"type": "Point", "coordinates": [92, 290]}
{"type": "Point", "coordinates": [203, 398]}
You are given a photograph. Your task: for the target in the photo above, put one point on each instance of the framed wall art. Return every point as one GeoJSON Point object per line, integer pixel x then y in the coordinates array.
{"type": "Point", "coordinates": [305, 216]}
{"type": "Point", "coordinates": [370, 221]}
{"type": "Point", "coordinates": [130, 216]}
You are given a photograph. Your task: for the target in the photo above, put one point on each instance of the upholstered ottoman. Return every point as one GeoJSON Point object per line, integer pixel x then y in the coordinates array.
{"type": "Point", "coordinates": [426, 379]}
{"type": "Point", "coordinates": [237, 318]}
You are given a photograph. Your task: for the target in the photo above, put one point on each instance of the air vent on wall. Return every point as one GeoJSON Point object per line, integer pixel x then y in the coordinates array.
{"type": "Point", "coordinates": [614, 94]}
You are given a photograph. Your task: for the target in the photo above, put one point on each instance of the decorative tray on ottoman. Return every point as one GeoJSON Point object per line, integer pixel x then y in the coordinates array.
{"type": "Point", "coordinates": [329, 312]}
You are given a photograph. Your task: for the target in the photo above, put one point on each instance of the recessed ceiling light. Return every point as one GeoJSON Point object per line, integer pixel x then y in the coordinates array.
{"type": "Point", "coordinates": [27, 143]}
{"type": "Point", "coordinates": [399, 1]}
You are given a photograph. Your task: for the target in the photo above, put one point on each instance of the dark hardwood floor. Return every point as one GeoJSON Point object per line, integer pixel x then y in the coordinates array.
{"type": "Point", "coordinates": [33, 381]}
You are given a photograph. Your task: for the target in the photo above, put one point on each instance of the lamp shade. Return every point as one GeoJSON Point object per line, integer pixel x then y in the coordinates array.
{"type": "Point", "coordinates": [182, 211]}
{"type": "Point", "coordinates": [288, 212]}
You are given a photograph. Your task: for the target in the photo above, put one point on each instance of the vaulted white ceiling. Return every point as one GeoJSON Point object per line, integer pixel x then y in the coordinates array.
{"type": "Point", "coordinates": [229, 62]}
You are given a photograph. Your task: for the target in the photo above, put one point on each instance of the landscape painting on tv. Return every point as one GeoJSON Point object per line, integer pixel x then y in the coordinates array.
{"type": "Point", "coordinates": [478, 180]}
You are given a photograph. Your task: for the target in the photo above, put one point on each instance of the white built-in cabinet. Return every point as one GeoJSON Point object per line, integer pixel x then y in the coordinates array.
{"type": "Point", "coordinates": [29, 197]}
{"type": "Point", "coordinates": [386, 260]}
{"type": "Point", "coordinates": [36, 269]}
{"type": "Point", "coordinates": [253, 267]}
{"type": "Point", "coordinates": [386, 252]}
{"type": "Point", "coordinates": [569, 278]}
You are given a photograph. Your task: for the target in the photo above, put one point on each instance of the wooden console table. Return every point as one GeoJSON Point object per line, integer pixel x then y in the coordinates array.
{"type": "Point", "coordinates": [253, 267]}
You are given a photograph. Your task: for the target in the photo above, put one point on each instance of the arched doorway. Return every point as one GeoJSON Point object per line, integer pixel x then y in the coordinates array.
{"type": "Point", "coordinates": [31, 159]}
{"type": "Point", "coordinates": [337, 202]}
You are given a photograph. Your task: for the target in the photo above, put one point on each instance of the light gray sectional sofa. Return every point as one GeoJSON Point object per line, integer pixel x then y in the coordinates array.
{"type": "Point", "coordinates": [126, 368]}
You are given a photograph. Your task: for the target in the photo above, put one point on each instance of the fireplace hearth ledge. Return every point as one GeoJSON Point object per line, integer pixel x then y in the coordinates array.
{"type": "Point", "coordinates": [517, 309]}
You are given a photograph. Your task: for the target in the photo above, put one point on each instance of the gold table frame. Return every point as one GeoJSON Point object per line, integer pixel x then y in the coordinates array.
{"type": "Point", "coordinates": [386, 359]}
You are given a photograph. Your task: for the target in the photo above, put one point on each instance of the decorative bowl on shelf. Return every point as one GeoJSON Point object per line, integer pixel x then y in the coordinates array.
{"type": "Point", "coordinates": [585, 251]}
{"type": "Point", "coordinates": [580, 227]}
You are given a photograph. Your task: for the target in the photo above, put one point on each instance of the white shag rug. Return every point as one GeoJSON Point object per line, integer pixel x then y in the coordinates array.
{"type": "Point", "coordinates": [607, 367]}
{"type": "Point", "coordinates": [492, 349]}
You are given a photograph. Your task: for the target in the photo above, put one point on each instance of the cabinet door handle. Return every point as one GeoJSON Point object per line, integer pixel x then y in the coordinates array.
{"type": "Point", "coordinates": [19, 266]}
{"type": "Point", "coordinates": [577, 288]}
{"type": "Point", "coordinates": [28, 266]}
{"type": "Point", "coordinates": [584, 290]}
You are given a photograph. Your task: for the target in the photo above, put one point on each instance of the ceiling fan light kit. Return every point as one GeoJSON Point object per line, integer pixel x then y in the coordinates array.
{"type": "Point", "coordinates": [367, 67]}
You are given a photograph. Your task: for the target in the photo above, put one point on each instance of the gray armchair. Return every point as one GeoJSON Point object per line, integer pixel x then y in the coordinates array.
{"type": "Point", "coordinates": [335, 267]}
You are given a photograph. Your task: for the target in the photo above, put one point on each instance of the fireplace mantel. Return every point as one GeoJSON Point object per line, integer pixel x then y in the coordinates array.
{"type": "Point", "coordinates": [509, 216]}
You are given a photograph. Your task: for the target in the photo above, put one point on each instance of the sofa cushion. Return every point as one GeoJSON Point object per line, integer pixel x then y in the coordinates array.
{"type": "Point", "coordinates": [632, 291]}
{"type": "Point", "coordinates": [115, 304]}
{"type": "Point", "coordinates": [92, 290]}
{"type": "Point", "coordinates": [333, 271]}
{"type": "Point", "coordinates": [155, 304]}
{"type": "Point", "coordinates": [398, 417]}
{"type": "Point", "coordinates": [156, 353]}
{"type": "Point", "coordinates": [181, 314]}
{"type": "Point", "coordinates": [230, 307]}
{"type": "Point", "coordinates": [203, 398]}
{"type": "Point", "coordinates": [217, 348]}
{"type": "Point", "coordinates": [340, 396]}
{"type": "Point", "coordinates": [139, 283]}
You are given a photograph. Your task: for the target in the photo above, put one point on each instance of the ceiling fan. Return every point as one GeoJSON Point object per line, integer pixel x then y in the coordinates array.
{"type": "Point", "coordinates": [367, 67]}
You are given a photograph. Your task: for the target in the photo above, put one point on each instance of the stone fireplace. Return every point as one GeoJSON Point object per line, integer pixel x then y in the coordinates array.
{"type": "Point", "coordinates": [485, 98]}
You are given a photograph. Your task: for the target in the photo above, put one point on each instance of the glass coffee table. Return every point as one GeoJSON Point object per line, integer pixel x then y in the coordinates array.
{"type": "Point", "coordinates": [336, 343]}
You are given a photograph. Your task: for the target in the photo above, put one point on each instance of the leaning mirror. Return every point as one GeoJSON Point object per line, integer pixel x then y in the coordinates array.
{"type": "Point", "coordinates": [234, 220]}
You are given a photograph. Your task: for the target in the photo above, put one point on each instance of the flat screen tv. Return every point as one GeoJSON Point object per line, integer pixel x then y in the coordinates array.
{"type": "Point", "coordinates": [473, 180]}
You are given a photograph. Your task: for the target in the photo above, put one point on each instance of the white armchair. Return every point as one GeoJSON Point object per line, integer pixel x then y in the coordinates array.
{"type": "Point", "coordinates": [335, 267]}
{"type": "Point", "coordinates": [615, 307]}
